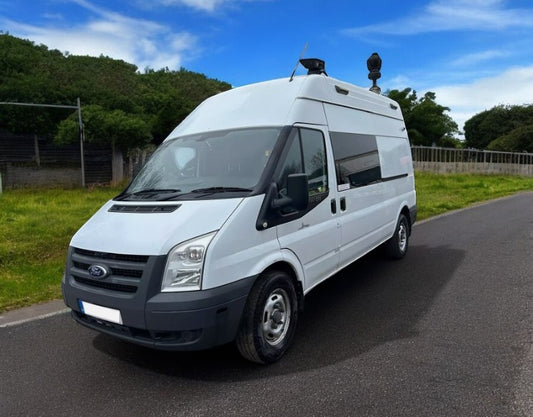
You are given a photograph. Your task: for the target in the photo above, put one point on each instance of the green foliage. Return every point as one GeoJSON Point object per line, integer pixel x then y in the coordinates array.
{"type": "Point", "coordinates": [116, 127]}
{"type": "Point", "coordinates": [498, 122]}
{"type": "Point", "coordinates": [426, 121]}
{"type": "Point", "coordinates": [133, 107]}
{"type": "Point", "coordinates": [517, 140]}
{"type": "Point", "coordinates": [447, 142]}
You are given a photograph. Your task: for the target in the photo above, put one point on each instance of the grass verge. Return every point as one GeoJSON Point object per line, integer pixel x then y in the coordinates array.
{"type": "Point", "coordinates": [36, 226]}
{"type": "Point", "coordinates": [437, 193]}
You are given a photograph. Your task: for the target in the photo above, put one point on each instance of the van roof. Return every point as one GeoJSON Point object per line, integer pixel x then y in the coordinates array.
{"type": "Point", "coordinates": [282, 102]}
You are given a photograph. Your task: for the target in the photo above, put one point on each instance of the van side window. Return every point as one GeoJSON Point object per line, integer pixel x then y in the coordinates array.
{"type": "Point", "coordinates": [356, 159]}
{"type": "Point", "coordinates": [315, 161]}
{"type": "Point", "coordinates": [306, 154]}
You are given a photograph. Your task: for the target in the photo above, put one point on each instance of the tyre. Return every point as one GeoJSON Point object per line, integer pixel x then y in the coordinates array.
{"type": "Point", "coordinates": [269, 319]}
{"type": "Point", "coordinates": [396, 247]}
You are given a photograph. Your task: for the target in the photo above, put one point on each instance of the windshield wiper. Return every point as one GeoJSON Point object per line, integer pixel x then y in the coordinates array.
{"type": "Point", "coordinates": [221, 190]}
{"type": "Point", "coordinates": [148, 191]}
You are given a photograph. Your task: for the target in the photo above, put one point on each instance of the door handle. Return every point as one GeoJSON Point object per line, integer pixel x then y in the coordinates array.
{"type": "Point", "coordinates": [333, 206]}
{"type": "Point", "coordinates": [343, 203]}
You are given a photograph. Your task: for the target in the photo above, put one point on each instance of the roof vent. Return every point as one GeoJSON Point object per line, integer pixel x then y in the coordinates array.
{"type": "Point", "coordinates": [314, 66]}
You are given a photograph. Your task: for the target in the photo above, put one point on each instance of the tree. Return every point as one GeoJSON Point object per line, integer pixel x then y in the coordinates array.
{"type": "Point", "coordinates": [517, 140]}
{"type": "Point", "coordinates": [121, 130]}
{"type": "Point", "coordinates": [490, 125]}
{"type": "Point", "coordinates": [157, 99]}
{"type": "Point", "coordinates": [426, 121]}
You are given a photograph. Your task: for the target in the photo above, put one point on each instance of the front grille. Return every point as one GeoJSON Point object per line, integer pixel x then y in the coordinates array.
{"type": "Point", "coordinates": [124, 272]}
{"type": "Point", "coordinates": [112, 256]}
{"type": "Point", "coordinates": [106, 285]}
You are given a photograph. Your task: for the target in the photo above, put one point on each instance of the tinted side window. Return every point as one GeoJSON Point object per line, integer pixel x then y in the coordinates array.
{"type": "Point", "coordinates": [314, 154]}
{"type": "Point", "coordinates": [306, 154]}
{"type": "Point", "coordinates": [356, 159]}
{"type": "Point", "coordinates": [292, 163]}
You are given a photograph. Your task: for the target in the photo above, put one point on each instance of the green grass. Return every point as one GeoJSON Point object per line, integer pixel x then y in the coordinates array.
{"type": "Point", "coordinates": [36, 226]}
{"type": "Point", "coordinates": [437, 193]}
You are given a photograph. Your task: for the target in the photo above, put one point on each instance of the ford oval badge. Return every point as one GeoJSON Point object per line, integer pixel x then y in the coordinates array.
{"type": "Point", "coordinates": [98, 271]}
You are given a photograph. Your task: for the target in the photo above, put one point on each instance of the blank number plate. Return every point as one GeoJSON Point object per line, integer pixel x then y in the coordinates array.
{"type": "Point", "coordinates": [99, 312]}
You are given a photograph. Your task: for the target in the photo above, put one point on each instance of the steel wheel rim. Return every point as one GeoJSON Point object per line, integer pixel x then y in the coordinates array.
{"type": "Point", "coordinates": [276, 317]}
{"type": "Point", "coordinates": [402, 237]}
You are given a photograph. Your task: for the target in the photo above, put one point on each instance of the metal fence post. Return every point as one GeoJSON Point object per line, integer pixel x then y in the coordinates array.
{"type": "Point", "coordinates": [80, 122]}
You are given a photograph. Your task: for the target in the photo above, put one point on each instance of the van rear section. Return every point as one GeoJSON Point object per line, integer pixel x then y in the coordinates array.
{"type": "Point", "coordinates": [258, 196]}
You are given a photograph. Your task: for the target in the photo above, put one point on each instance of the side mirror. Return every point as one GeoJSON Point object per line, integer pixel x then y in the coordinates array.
{"type": "Point", "coordinates": [297, 193]}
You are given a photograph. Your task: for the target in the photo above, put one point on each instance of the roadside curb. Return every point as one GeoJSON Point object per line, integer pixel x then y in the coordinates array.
{"type": "Point", "coordinates": [31, 313]}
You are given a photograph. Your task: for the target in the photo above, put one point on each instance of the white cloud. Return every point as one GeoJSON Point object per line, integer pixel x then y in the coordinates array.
{"type": "Point", "coordinates": [142, 42]}
{"type": "Point", "coordinates": [204, 5]}
{"type": "Point", "coordinates": [513, 86]}
{"type": "Point", "coordinates": [451, 15]}
{"type": "Point", "coordinates": [477, 57]}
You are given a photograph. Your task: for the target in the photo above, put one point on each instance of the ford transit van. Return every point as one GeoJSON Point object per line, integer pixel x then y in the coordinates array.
{"type": "Point", "coordinates": [258, 196]}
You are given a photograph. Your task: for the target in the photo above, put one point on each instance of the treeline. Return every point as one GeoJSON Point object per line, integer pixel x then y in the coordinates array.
{"type": "Point", "coordinates": [127, 108]}
{"type": "Point", "coordinates": [502, 128]}
{"type": "Point", "coordinates": [121, 106]}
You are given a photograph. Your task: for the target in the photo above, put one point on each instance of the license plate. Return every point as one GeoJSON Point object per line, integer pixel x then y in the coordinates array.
{"type": "Point", "coordinates": [100, 312]}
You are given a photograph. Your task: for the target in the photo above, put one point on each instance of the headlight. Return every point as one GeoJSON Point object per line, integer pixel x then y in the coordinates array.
{"type": "Point", "coordinates": [185, 262]}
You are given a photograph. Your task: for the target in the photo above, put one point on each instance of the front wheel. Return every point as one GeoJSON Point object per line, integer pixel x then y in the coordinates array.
{"type": "Point", "coordinates": [396, 247]}
{"type": "Point", "coordinates": [269, 319]}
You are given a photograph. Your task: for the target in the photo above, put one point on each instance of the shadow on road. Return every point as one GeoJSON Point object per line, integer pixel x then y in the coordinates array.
{"type": "Point", "coordinates": [368, 304]}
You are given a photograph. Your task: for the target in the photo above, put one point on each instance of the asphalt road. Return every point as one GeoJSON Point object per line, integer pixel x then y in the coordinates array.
{"type": "Point", "coordinates": [445, 332]}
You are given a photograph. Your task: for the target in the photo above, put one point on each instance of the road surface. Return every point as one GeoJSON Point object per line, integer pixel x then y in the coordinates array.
{"type": "Point", "coordinates": [445, 332]}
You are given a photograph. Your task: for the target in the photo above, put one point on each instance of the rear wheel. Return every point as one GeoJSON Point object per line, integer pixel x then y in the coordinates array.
{"type": "Point", "coordinates": [396, 247]}
{"type": "Point", "coordinates": [269, 319]}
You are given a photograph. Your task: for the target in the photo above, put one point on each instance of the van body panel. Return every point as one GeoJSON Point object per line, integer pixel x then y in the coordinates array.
{"type": "Point", "coordinates": [280, 102]}
{"type": "Point", "coordinates": [314, 239]}
{"type": "Point", "coordinates": [262, 104]}
{"type": "Point", "coordinates": [151, 233]}
{"type": "Point", "coordinates": [239, 249]}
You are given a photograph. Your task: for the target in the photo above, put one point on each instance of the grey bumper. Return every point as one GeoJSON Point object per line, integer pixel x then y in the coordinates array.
{"type": "Point", "coordinates": [192, 320]}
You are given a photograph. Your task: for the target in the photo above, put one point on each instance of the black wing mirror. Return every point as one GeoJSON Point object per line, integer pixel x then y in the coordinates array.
{"type": "Point", "coordinates": [297, 193]}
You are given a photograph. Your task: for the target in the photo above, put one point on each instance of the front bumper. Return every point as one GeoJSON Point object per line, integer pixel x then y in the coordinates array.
{"type": "Point", "coordinates": [173, 323]}
{"type": "Point", "coordinates": [192, 320]}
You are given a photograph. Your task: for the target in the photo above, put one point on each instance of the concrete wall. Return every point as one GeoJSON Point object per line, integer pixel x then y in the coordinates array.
{"type": "Point", "coordinates": [24, 176]}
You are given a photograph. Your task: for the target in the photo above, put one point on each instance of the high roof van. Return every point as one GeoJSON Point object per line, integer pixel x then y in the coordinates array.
{"type": "Point", "coordinates": [258, 196]}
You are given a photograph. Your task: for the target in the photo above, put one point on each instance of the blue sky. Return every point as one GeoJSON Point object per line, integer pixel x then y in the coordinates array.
{"type": "Point", "coordinates": [474, 54]}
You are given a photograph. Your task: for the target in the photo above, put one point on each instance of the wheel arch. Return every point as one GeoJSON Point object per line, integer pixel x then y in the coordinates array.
{"type": "Point", "coordinates": [289, 269]}
{"type": "Point", "coordinates": [407, 213]}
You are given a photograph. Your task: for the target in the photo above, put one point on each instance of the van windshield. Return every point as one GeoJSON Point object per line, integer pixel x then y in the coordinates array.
{"type": "Point", "coordinates": [229, 161]}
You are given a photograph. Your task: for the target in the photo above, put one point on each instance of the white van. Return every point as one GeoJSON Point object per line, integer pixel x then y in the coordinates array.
{"type": "Point", "coordinates": [258, 196]}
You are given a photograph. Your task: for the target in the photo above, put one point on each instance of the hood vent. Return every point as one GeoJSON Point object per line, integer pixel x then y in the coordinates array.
{"type": "Point", "coordinates": [123, 208]}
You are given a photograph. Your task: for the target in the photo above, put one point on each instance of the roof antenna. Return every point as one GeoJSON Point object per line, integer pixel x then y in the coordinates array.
{"type": "Point", "coordinates": [314, 66]}
{"type": "Point", "coordinates": [373, 64]}
{"type": "Point", "coordinates": [298, 62]}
